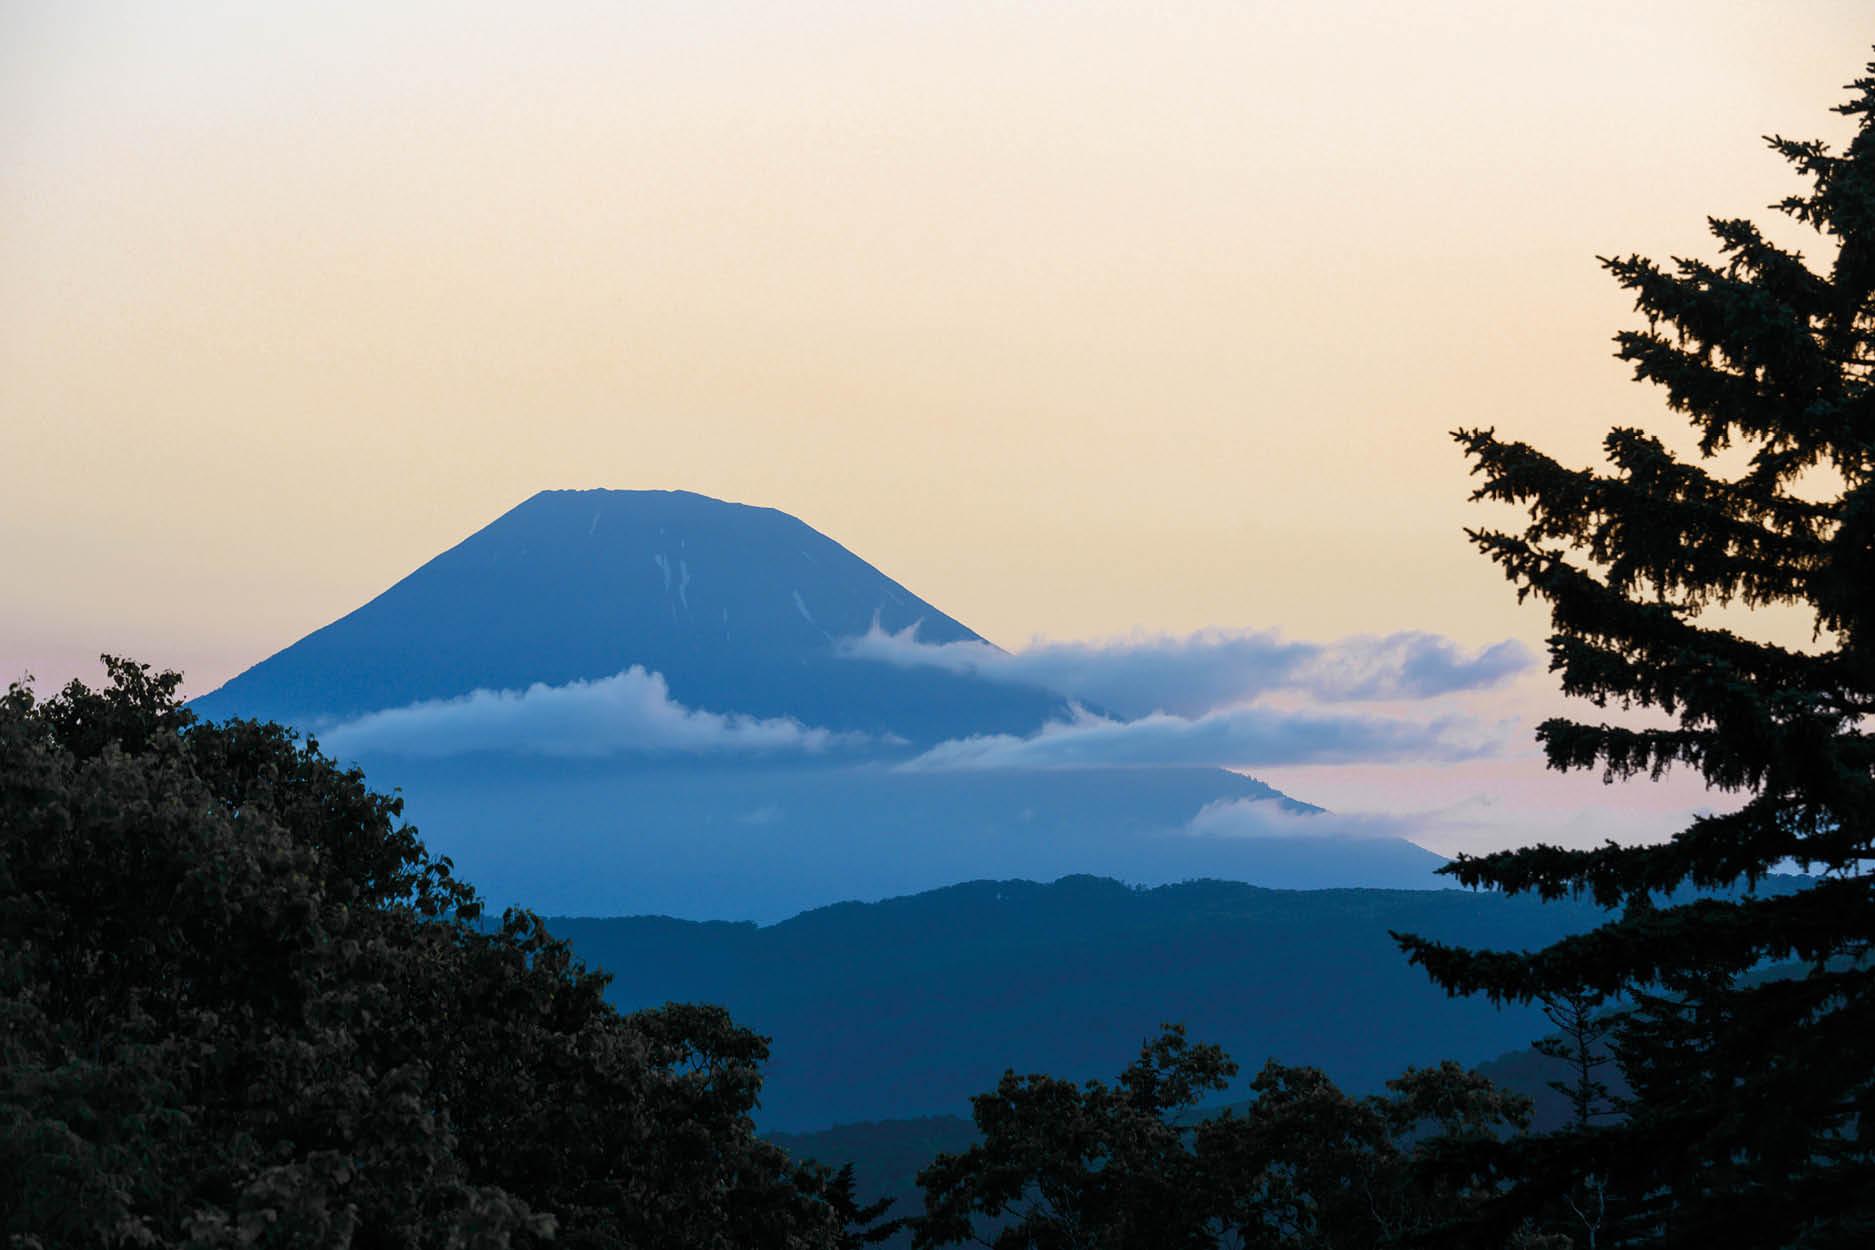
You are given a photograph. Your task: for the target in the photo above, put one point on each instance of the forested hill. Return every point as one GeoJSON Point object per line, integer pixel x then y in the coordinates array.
{"type": "Point", "coordinates": [908, 1007]}
{"type": "Point", "coordinates": [887, 1155]}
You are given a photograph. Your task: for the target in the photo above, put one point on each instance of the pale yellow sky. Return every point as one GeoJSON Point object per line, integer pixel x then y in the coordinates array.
{"type": "Point", "coordinates": [1074, 318]}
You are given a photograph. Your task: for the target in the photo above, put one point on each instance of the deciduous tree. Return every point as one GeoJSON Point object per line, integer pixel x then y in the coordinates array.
{"type": "Point", "coordinates": [240, 1005]}
{"type": "Point", "coordinates": [1136, 1165]}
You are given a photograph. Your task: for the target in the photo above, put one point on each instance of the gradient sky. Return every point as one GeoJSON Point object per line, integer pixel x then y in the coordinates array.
{"type": "Point", "coordinates": [1074, 318]}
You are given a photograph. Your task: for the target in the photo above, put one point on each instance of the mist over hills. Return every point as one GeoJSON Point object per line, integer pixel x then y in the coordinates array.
{"type": "Point", "coordinates": [707, 841]}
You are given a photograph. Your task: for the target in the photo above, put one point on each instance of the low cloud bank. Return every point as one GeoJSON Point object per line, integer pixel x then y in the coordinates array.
{"type": "Point", "coordinates": [1476, 824]}
{"type": "Point", "coordinates": [1270, 818]}
{"type": "Point", "coordinates": [1243, 737]}
{"type": "Point", "coordinates": [628, 713]}
{"type": "Point", "coordinates": [1408, 665]}
{"type": "Point", "coordinates": [1199, 673]}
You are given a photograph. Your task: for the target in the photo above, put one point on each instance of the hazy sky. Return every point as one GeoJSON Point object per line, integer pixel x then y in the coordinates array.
{"type": "Point", "coordinates": [1074, 318]}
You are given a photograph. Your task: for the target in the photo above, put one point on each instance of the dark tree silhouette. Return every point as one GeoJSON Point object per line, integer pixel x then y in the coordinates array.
{"type": "Point", "coordinates": [1581, 1044]}
{"type": "Point", "coordinates": [241, 1006]}
{"type": "Point", "coordinates": [1751, 1122]}
{"type": "Point", "coordinates": [1081, 1166]}
{"type": "Point", "coordinates": [1304, 1167]}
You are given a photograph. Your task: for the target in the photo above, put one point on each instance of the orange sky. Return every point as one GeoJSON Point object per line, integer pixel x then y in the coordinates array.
{"type": "Point", "coordinates": [1074, 318]}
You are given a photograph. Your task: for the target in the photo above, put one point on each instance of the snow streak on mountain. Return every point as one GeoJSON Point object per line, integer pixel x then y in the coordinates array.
{"type": "Point", "coordinates": [737, 607]}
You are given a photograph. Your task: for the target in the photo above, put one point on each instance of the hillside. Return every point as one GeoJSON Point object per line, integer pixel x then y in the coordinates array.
{"type": "Point", "coordinates": [908, 1007]}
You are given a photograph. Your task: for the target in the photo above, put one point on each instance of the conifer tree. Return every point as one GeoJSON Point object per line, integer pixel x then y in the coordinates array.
{"type": "Point", "coordinates": [1748, 1034]}
{"type": "Point", "coordinates": [1579, 1044]}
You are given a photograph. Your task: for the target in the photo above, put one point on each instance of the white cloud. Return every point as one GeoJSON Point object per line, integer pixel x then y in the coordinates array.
{"type": "Point", "coordinates": [1203, 672]}
{"type": "Point", "coordinates": [627, 713]}
{"type": "Point", "coordinates": [1510, 800]}
{"type": "Point", "coordinates": [1272, 818]}
{"type": "Point", "coordinates": [1408, 665]}
{"type": "Point", "coordinates": [1476, 824]}
{"type": "Point", "coordinates": [1243, 737]}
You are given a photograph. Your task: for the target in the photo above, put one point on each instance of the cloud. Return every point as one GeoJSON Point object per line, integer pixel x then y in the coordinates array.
{"type": "Point", "coordinates": [1203, 672]}
{"type": "Point", "coordinates": [1408, 665]}
{"type": "Point", "coordinates": [1271, 818]}
{"type": "Point", "coordinates": [628, 713]}
{"type": "Point", "coordinates": [1243, 737]}
{"type": "Point", "coordinates": [1476, 824]}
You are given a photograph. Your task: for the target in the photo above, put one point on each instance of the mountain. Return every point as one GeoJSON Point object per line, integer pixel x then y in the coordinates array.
{"type": "Point", "coordinates": [907, 1007]}
{"type": "Point", "coordinates": [737, 607]}
{"type": "Point", "coordinates": [733, 614]}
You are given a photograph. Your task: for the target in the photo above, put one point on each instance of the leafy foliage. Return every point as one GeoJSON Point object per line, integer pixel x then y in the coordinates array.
{"type": "Point", "coordinates": [1750, 1122]}
{"type": "Point", "coordinates": [241, 1006]}
{"type": "Point", "coordinates": [1304, 1166]}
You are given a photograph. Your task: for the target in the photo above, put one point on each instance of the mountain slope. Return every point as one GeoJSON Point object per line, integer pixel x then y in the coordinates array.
{"type": "Point", "coordinates": [738, 607]}
{"type": "Point", "coordinates": [908, 1007]}
{"type": "Point", "coordinates": [740, 611]}
{"type": "Point", "coordinates": [765, 841]}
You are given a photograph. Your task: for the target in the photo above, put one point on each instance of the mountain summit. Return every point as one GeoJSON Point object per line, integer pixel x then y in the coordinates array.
{"type": "Point", "coordinates": [740, 612]}
{"type": "Point", "coordinates": [737, 607]}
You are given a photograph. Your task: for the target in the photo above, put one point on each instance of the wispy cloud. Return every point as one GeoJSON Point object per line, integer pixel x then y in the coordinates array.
{"type": "Point", "coordinates": [1408, 665]}
{"type": "Point", "coordinates": [628, 713]}
{"type": "Point", "coordinates": [1475, 823]}
{"type": "Point", "coordinates": [1271, 818]}
{"type": "Point", "coordinates": [1194, 674]}
{"type": "Point", "coordinates": [1243, 737]}
{"type": "Point", "coordinates": [1514, 799]}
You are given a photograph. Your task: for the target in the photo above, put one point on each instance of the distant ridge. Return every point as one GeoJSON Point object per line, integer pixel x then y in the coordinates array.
{"type": "Point", "coordinates": [907, 1007]}
{"type": "Point", "coordinates": [737, 606]}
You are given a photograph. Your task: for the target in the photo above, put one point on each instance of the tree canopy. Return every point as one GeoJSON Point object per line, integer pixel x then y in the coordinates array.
{"type": "Point", "coordinates": [240, 1005]}
{"type": "Point", "coordinates": [1753, 1086]}
{"type": "Point", "coordinates": [1303, 1167]}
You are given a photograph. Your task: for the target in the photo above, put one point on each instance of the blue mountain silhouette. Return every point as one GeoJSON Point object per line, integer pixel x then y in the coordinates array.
{"type": "Point", "coordinates": [738, 607]}
{"type": "Point", "coordinates": [741, 610]}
